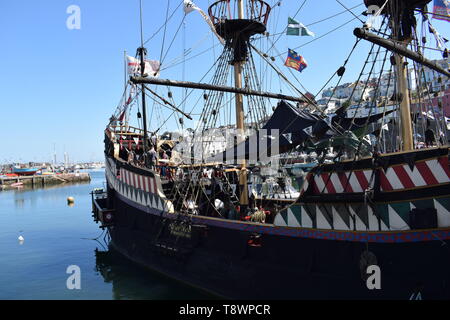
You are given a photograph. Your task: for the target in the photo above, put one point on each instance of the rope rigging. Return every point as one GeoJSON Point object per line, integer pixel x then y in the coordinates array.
{"type": "Point", "coordinates": [217, 105]}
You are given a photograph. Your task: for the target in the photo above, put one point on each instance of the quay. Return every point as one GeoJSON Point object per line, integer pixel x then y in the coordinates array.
{"type": "Point", "coordinates": [7, 182]}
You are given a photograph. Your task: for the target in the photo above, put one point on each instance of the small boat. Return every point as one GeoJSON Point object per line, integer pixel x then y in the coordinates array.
{"type": "Point", "coordinates": [25, 171]}
{"type": "Point", "coordinates": [17, 185]}
{"type": "Point", "coordinates": [10, 175]}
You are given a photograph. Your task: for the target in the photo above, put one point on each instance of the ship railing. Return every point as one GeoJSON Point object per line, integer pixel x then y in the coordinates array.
{"type": "Point", "coordinates": [257, 10]}
{"type": "Point", "coordinates": [126, 130]}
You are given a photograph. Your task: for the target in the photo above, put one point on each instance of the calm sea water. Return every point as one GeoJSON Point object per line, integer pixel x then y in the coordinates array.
{"type": "Point", "coordinates": [57, 236]}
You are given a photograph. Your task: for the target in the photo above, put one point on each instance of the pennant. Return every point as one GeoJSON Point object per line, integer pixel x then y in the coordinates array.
{"type": "Point", "coordinates": [441, 10]}
{"type": "Point", "coordinates": [385, 127]}
{"type": "Point", "coordinates": [125, 107]}
{"type": "Point", "coordinates": [189, 6]}
{"type": "Point", "coordinates": [440, 41]}
{"type": "Point", "coordinates": [288, 137]}
{"type": "Point", "coordinates": [309, 131]}
{"type": "Point", "coordinates": [136, 141]}
{"type": "Point", "coordinates": [122, 116]}
{"type": "Point", "coordinates": [151, 67]}
{"type": "Point", "coordinates": [295, 61]}
{"type": "Point", "coordinates": [129, 100]}
{"type": "Point", "coordinates": [296, 28]}
{"type": "Point", "coordinates": [367, 139]}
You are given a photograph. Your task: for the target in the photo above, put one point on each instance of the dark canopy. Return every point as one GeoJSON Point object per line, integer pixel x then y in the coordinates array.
{"type": "Point", "coordinates": [295, 127]}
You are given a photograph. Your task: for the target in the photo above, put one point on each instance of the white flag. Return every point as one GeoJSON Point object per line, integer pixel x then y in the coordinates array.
{"type": "Point", "coordinates": [151, 67]}
{"type": "Point", "coordinates": [189, 6]}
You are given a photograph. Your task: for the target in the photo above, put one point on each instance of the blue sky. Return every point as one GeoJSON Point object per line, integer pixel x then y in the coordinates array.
{"type": "Point", "coordinates": [60, 86]}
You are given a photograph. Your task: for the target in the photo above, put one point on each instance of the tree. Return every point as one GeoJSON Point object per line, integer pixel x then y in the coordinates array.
{"type": "Point", "coordinates": [346, 104]}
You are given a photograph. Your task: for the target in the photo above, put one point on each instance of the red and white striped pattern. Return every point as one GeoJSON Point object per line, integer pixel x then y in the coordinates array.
{"type": "Point", "coordinates": [138, 181]}
{"type": "Point", "coordinates": [425, 173]}
{"type": "Point", "coordinates": [343, 182]}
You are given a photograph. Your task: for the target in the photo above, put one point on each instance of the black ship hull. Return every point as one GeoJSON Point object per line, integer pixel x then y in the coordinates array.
{"type": "Point", "coordinates": [220, 260]}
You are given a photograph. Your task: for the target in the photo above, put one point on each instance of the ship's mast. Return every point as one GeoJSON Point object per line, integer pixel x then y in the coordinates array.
{"type": "Point", "coordinates": [240, 117]}
{"type": "Point", "coordinates": [405, 107]}
{"type": "Point", "coordinates": [401, 68]}
{"type": "Point", "coordinates": [142, 52]}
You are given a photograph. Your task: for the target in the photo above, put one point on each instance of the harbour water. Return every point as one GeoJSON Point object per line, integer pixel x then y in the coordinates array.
{"type": "Point", "coordinates": [57, 236]}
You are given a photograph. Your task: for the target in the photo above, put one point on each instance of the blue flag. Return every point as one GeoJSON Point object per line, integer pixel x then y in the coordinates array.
{"type": "Point", "coordinates": [295, 61]}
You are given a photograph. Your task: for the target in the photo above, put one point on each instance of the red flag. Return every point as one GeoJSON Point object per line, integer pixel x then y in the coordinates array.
{"type": "Point", "coordinates": [122, 115]}
{"type": "Point", "coordinates": [129, 100]}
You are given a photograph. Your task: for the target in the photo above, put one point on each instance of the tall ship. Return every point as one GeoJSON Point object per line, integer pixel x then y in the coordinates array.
{"type": "Point", "coordinates": [273, 196]}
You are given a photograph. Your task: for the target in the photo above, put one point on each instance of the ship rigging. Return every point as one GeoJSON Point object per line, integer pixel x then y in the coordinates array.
{"type": "Point", "coordinates": [234, 200]}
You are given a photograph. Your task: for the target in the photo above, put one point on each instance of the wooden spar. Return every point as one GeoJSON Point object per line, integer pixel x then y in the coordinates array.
{"type": "Point", "coordinates": [405, 105]}
{"type": "Point", "coordinates": [240, 126]}
{"type": "Point", "coordinates": [205, 86]}
{"type": "Point", "coordinates": [401, 69]}
{"type": "Point", "coordinates": [168, 103]}
{"type": "Point", "coordinates": [399, 49]}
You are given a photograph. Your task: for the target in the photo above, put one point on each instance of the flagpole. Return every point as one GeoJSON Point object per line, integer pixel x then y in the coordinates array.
{"type": "Point", "coordinates": [125, 73]}
{"type": "Point", "coordinates": [125, 70]}
{"type": "Point", "coordinates": [142, 52]}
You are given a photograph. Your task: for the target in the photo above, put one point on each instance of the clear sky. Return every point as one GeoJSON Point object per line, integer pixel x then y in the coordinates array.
{"type": "Point", "coordinates": [59, 86]}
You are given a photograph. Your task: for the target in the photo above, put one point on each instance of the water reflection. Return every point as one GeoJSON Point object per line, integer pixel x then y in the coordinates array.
{"type": "Point", "coordinates": [20, 202]}
{"type": "Point", "coordinates": [56, 236]}
{"type": "Point", "coordinates": [132, 282]}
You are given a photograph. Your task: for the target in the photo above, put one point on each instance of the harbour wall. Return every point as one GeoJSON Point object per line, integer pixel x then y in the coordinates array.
{"type": "Point", "coordinates": [44, 180]}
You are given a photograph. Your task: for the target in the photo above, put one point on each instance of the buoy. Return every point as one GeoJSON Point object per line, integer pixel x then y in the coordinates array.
{"type": "Point", "coordinates": [70, 200]}
{"type": "Point", "coordinates": [21, 239]}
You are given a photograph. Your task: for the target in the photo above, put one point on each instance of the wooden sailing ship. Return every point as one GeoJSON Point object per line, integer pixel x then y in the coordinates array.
{"type": "Point", "coordinates": [386, 209]}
